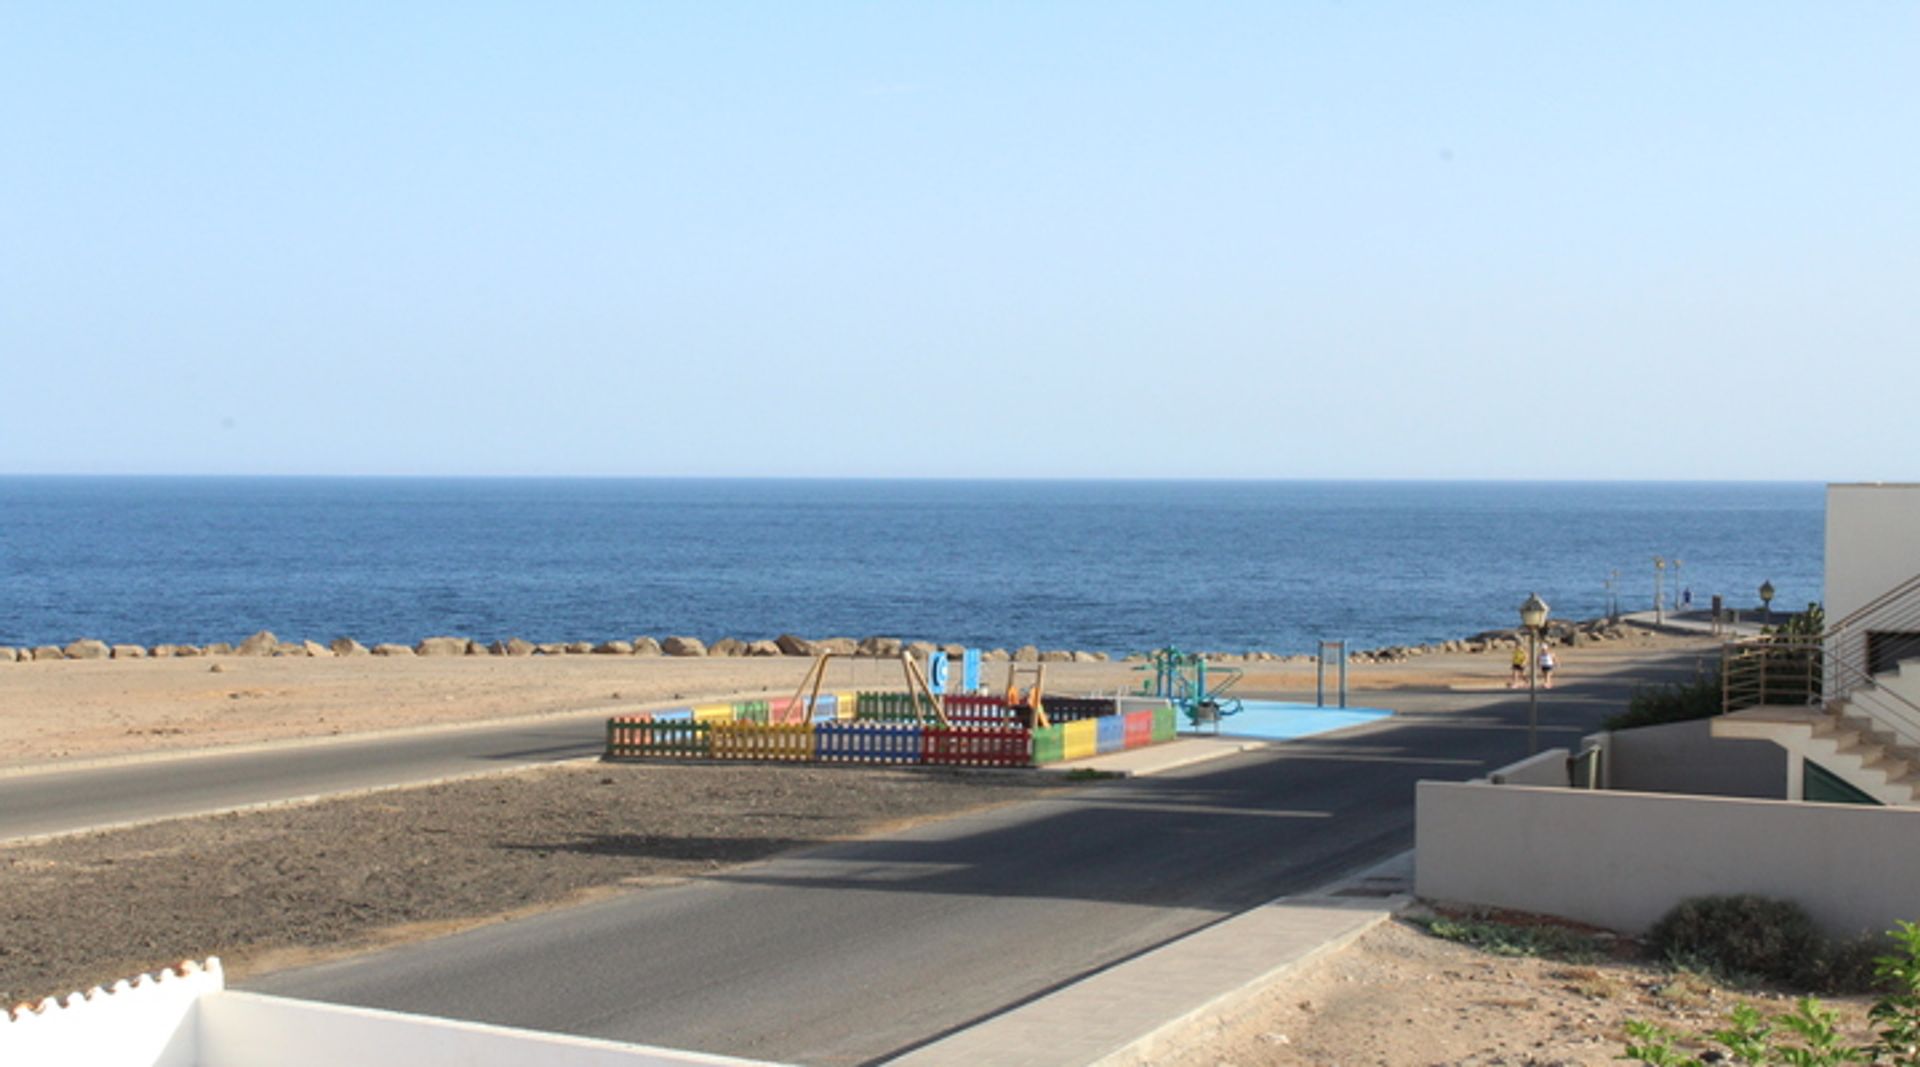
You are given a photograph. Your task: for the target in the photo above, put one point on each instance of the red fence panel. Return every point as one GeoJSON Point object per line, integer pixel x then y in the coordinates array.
{"type": "Point", "coordinates": [977, 746]}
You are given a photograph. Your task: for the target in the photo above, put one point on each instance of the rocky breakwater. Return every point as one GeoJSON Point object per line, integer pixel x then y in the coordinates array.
{"type": "Point", "coordinates": [265, 643]}
{"type": "Point", "coordinates": [1558, 633]}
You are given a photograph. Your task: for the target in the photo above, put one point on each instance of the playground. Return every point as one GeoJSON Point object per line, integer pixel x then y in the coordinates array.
{"type": "Point", "coordinates": [1024, 726]}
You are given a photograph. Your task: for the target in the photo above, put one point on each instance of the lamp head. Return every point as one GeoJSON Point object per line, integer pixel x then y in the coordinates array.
{"type": "Point", "coordinates": [1533, 613]}
{"type": "Point", "coordinates": [1766, 592]}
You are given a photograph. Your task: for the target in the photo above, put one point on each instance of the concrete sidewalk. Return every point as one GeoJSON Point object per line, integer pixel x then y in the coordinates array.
{"type": "Point", "coordinates": [1137, 1011]}
{"type": "Point", "coordinates": [1185, 750]}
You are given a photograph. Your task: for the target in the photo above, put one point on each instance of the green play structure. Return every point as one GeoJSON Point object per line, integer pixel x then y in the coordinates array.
{"type": "Point", "coordinates": [1197, 688]}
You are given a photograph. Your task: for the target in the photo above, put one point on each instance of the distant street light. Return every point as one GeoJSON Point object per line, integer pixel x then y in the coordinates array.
{"type": "Point", "coordinates": [1766, 603]}
{"type": "Point", "coordinates": [1533, 616]}
{"type": "Point", "coordinates": [1659, 574]}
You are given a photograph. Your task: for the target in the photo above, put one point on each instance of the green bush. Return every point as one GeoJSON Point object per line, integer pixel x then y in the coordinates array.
{"type": "Point", "coordinates": [1739, 936]}
{"type": "Point", "coordinates": [1698, 699]}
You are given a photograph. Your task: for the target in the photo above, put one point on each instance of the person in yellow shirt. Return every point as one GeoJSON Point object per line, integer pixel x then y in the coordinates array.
{"type": "Point", "coordinates": [1519, 676]}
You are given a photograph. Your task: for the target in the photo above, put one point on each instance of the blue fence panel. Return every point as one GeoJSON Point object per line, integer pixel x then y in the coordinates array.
{"type": "Point", "coordinates": [867, 742]}
{"type": "Point", "coordinates": [1110, 733]}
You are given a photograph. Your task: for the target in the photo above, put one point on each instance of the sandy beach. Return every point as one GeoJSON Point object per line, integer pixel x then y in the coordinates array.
{"type": "Point", "coordinates": [69, 710]}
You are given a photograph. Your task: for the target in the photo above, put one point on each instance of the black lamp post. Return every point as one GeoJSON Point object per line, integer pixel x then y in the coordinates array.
{"type": "Point", "coordinates": [1766, 602]}
{"type": "Point", "coordinates": [1533, 616]}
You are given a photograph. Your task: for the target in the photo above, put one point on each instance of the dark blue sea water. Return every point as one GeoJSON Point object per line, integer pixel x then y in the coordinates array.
{"type": "Point", "coordinates": [1114, 566]}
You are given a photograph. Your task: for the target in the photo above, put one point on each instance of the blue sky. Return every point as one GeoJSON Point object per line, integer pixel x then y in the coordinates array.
{"type": "Point", "coordinates": [1102, 239]}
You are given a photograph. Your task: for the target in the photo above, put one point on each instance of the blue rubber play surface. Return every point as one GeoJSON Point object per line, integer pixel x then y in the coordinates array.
{"type": "Point", "coordinates": [1275, 720]}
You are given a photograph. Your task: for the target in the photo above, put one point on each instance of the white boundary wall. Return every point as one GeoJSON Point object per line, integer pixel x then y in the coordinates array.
{"type": "Point", "coordinates": [247, 1029]}
{"type": "Point", "coordinates": [1621, 860]}
{"type": "Point", "coordinates": [183, 1017]}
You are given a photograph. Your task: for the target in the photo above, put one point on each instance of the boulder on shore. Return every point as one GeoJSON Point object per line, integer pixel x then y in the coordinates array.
{"type": "Point", "coordinates": [8, 654]}
{"type": "Point", "coordinates": [579, 648]}
{"type": "Point", "coordinates": [763, 648]}
{"type": "Point", "coordinates": [684, 646]}
{"type": "Point", "coordinates": [87, 648]}
{"type": "Point", "coordinates": [316, 650]}
{"type": "Point", "coordinates": [41, 652]}
{"type": "Point", "coordinates": [390, 649]}
{"type": "Point", "coordinates": [441, 646]}
{"type": "Point", "coordinates": [613, 648]}
{"type": "Point", "coordinates": [260, 644]}
{"type": "Point", "coordinates": [880, 646]}
{"type": "Point", "coordinates": [790, 645]}
{"type": "Point", "coordinates": [129, 652]}
{"type": "Point", "coordinates": [1026, 654]}
{"type": "Point", "coordinates": [727, 646]}
{"type": "Point", "coordinates": [347, 646]}
{"type": "Point", "coordinates": [645, 646]}
{"type": "Point", "coordinates": [512, 646]}
{"type": "Point", "coordinates": [839, 646]}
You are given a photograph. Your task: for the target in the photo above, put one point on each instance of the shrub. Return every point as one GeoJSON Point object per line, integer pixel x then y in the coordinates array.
{"type": "Point", "coordinates": [1698, 699]}
{"type": "Point", "coordinates": [1740, 935]}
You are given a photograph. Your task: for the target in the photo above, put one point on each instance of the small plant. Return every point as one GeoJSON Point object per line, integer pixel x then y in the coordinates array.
{"type": "Point", "coordinates": [1513, 939]}
{"type": "Point", "coordinates": [1809, 1035]}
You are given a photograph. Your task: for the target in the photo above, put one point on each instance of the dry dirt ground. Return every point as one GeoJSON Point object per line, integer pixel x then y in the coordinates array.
{"type": "Point", "coordinates": [270, 888]}
{"type": "Point", "coordinates": [1399, 997]}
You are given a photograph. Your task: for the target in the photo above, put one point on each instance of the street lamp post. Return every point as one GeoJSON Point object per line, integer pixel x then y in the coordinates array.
{"type": "Point", "coordinates": [1659, 575]}
{"type": "Point", "coordinates": [1533, 616]}
{"type": "Point", "coordinates": [1679, 589]}
{"type": "Point", "coordinates": [1766, 603]}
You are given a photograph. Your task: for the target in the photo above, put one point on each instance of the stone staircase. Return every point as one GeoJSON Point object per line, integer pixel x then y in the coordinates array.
{"type": "Point", "coordinates": [1864, 738]}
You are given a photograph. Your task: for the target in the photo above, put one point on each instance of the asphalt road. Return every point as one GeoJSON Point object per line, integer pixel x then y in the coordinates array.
{"type": "Point", "coordinates": [55, 802]}
{"type": "Point", "coordinates": [855, 952]}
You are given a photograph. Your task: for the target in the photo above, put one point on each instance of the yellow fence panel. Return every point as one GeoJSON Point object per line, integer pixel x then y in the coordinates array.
{"type": "Point", "coordinates": [1080, 739]}
{"type": "Point", "coordinates": [761, 741]}
{"type": "Point", "coordinates": [713, 713]}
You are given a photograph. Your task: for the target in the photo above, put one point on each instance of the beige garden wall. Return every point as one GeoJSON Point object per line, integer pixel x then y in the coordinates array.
{"type": "Point", "coordinates": [1620, 860]}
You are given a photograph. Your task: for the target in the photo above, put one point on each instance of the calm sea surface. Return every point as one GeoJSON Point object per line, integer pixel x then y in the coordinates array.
{"type": "Point", "coordinates": [1115, 566]}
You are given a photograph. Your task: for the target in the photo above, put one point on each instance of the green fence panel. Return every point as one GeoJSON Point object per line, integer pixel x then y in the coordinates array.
{"type": "Point", "coordinates": [1165, 726]}
{"type": "Point", "coordinates": [751, 711]}
{"type": "Point", "coordinates": [1049, 744]}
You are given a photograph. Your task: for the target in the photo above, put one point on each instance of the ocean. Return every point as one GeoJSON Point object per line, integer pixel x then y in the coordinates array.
{"type": "Point", "coordinates": [1113, 566]}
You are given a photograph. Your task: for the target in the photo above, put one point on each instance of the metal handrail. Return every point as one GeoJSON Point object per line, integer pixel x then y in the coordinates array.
{"type": "Point", "coordinates": [1771, 671]}
{"type": "Point", "coordinates": [1826, 670]}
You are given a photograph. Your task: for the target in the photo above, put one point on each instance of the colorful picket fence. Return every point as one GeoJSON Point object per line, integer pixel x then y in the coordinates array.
{"type": "Point", "coordinates": [982, 732]}
{"type": "Point", "coordinates": [1093, 737]}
